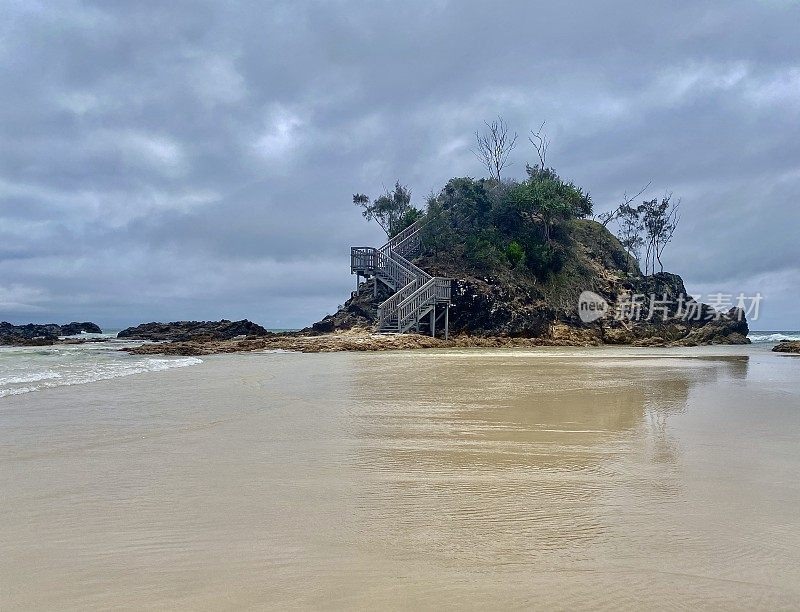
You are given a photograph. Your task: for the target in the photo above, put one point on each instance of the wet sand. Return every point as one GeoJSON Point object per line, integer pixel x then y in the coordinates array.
{"type": "Point", "coordinates": [566, 478]}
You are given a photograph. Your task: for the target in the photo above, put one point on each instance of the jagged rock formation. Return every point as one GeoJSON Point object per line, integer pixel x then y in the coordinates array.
{"type": "Point", "coordinates": [361, 310]}
{"type": "Point", "coordinates": [504, 301]}
{"type": "Point", "coordinates": [181, 331]}
{"type": "Point", "coordinates": [32, 334]}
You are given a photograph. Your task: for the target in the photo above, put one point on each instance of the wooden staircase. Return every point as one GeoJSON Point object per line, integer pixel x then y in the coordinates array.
{"type": "Point", "coordinates": [419, 300]}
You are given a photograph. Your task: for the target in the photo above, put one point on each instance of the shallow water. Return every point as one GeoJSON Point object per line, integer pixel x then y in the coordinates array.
{"type": "Point", "coordinates": [25, 369]}
{"type": "Point", "coordinates": [569, 478]}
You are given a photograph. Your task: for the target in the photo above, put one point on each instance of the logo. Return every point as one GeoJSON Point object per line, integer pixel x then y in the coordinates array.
{"type": "Point", "coordinates": [591, 306]}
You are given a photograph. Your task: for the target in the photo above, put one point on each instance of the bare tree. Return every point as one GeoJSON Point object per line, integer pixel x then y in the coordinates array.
{"type": "Point", "coordinates": [607, 217]}
{"type": "Point", "coordinates": [540, 142]}
{"type": "Point", "coordinates": [494, 147]}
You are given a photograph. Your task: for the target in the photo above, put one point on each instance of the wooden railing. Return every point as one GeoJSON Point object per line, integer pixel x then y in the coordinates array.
{"type": "Point", "coordinates": [435, 290]}
{"type": "Point", "coordinates": [391, 268]}
{"type": "Point", "coordinates": [416, 291]}
{"type": "Point", "coordinates": [418, 272]}
{"type": "Point", "coordinates": [406, 242]}
{"type": "Point", "coordinates": [362, 259]}
{"type": "Point", "coordinates": [388, 309]}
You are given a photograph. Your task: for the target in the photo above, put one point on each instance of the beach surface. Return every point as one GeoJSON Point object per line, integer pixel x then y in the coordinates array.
{"type": "Point", "coordinates": [569, 478]}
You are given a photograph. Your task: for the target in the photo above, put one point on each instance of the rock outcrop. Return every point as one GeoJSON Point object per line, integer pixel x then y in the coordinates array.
{"type": "Point", "coordinates": [182, 331]}
{"type": "Point", "coordinates": [787, 346]}
{"type": "Point", "coordinates": [509, 302]}
{"type": "Point", "coordinates": [353, 339]}
{"type": "Point", "coordinates": [73, 329]}
{"type": "Point", "coordinates": [361, 310]}
{"type": "Point", "coordinates": [33, 334]}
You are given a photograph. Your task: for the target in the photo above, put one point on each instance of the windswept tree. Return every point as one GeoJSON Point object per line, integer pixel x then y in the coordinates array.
{"type": "Point", "coordinates": [631, 229]}
{"type": "Point", "coordinates": [649, 226]}
{"type": "Point", "coordinates": [660, 219]}
{"type": "Point", "coordinates": [617, 213]}
{"type": "Point", "coordinates": [392, 211]}
{"type": "Point", "coordinates": [494, 147]}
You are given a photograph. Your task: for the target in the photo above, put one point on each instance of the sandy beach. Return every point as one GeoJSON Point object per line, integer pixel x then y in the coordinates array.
{"type": "Point", "coordinates": [541, 478]}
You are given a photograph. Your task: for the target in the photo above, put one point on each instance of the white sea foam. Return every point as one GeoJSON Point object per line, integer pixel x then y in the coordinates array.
{"type": "Point", "coordinates": [17, 391]}
{"type": "Point", "coordinates": [29, 378]}
{"type": "Point", "coordinates": [25, 371]}
{"type": "Point", "coordinates": [773, 337]}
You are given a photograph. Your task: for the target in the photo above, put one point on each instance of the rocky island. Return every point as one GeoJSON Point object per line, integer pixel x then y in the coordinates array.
{"type": "Point", "coordinates": [521, 256]}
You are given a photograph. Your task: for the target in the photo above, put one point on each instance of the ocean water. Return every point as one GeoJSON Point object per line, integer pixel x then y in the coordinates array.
{"type": "Point", "coordinates": [772, 337]}
{"type": "Point", "coordinates": [32, 368]}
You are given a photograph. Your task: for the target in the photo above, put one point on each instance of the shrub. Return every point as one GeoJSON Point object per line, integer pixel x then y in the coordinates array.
{"type": "Point", "coordinates": [548, 199]}
{"type": "Point", "coordinates": [515, 253]}
{"type": "Point", "coordinates": [493, 226]}
{"type": "Point", "coordinates": [481, 253]}
{"type": "Point", "coordinates": [542, 258]}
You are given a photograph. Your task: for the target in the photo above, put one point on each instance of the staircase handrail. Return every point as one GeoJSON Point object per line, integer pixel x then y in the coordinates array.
{"type": "Point", "coordinates": [411, 266]}
{"type": "Point", "coordinates": [389, 307]}
{"type": "Point", "coordinates": [436, 289]}
{"type": "Point", "coordinates": [400, 237]}
{"type": "Point", "coordinates": [393, 269]}
{"type": "Point", "coordinates": [441, 287]}
{"type": "Point", "coordinates": [409, 307]}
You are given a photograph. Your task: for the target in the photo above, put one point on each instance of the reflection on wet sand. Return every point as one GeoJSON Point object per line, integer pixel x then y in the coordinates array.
{"type": "Point", "coordinates": [516, 460]}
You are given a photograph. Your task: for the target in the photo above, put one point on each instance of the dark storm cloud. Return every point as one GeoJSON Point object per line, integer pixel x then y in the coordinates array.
{"type": "Point", "coordinates": [196, 159]}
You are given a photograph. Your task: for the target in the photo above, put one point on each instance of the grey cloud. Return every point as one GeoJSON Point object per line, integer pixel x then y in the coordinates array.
{"type": "Point", "coordinates": [165, 160]}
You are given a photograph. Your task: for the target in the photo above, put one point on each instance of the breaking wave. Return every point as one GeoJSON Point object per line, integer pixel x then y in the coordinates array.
{"type": "Point", "coordinates": [84, 369]}
{"type": "Point", "coordinates": [29, 378]}
{"type": "Point", "coordinates": [773, 336]}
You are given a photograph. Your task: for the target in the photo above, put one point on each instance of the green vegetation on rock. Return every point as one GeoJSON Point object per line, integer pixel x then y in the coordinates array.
{"type": "Point", "coordinates": [494, 227]}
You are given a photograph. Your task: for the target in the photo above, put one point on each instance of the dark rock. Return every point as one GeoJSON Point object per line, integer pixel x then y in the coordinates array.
{"type": "Point", "coordinates": [181, 331]}
{"type": "Point", "coordinates": [485, 307]}
{"type": "Point", "coordinates": [725, 328]}
{"type": "Point", "coordinates": [787, 346]}
{"type": "Point", "coordinates": [73, 329]}
{"type": "Point", "coordinates": [32, 334]}
{"type": "Point", "coordinates": [361, 310]}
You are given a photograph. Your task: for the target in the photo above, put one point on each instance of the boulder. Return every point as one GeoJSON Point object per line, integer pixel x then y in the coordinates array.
{"type": "Point", "coordinates": [787, 346]}
{"type": "Point", "coordinates": [360, 310]}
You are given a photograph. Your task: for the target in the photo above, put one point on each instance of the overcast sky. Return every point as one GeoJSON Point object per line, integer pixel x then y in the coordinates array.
{"type": "Point", "coordinates": [181, 160]}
